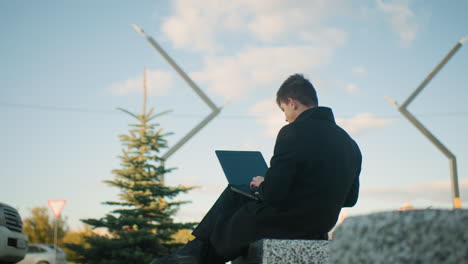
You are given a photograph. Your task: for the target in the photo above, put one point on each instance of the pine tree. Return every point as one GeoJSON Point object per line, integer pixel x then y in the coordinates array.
{"type": "Point", "coordinates": [142, 228]}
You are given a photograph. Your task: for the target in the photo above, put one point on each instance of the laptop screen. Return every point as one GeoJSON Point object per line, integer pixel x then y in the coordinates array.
{"type": "Point", "coordinates": [241, 166]}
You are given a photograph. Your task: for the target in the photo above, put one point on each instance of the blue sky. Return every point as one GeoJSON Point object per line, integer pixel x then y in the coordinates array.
{"type": "Point", "coordinates": [66, 65]}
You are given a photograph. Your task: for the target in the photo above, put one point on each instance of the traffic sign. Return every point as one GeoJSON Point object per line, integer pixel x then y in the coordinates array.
{"type": "Point", "coordinates": [56, 206]}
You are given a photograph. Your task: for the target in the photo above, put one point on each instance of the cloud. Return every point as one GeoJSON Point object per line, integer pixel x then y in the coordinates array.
{"type": "Point", "coordinates": [194, 24]}
{"type": "Point", "coordinates": [158, 83]}
{"type": "Point", "coordinates": [436, 192]}
{"type": "Point", "coordinates": [266, 55]}
{"type": "Point", "coordinates": [275, 20]}
{"type": "Point", "coordinates": [270, 116]}
{"type": "Point", "coordinates": [352, 89]}
{"type": "Point", "coordinates": [401, 18]}
{"type": "Point", "coordinates": [268, 27]}
{"type": "Point", "coordinates": [328, 36]}
{"type": "Point", "coordinates": [360, 70]}
{"type": "Point", "coordinates": [362, 123]}
{"type": "Point", "coordinates": [201, 24]}
{"type": "Point", "coordinates": [208, 25]}
{"type": "Point", "coordinates": [249, 70]}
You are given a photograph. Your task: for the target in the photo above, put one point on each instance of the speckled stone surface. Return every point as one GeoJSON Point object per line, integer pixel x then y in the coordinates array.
{"type": "Point", "coordinates": [282, 251]}
{"type": "Point", "coordinates": [420, 236]}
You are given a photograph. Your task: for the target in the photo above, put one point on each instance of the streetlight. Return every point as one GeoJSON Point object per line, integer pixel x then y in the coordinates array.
{"type": "Point", "coordinates": [404, 111]}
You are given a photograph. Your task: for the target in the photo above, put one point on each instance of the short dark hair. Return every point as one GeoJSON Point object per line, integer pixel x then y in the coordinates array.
{"type": "Point", "coordinates": [299, 88]}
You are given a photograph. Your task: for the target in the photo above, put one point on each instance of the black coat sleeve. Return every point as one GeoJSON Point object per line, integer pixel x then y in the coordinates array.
{"type": "Point", "coordinates": [280, 176]}
{"type": "Point", "coordinates": [353, 193]}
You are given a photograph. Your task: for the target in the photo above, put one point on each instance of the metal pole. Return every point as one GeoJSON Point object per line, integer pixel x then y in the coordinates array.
{"type": "Point", "coordinates": [178, 69]}
{"type": "Point", "coordinates": [144, 92]}
{"type": "Point", "coordinates": [191, 134]}
{"type": "Point", "coordinates": [426, 133]}
{"type": "Point", "coordinates": [432, 74]}
{"type": "Point", "coordinates": [184, 140]}
{"type": "Point", "coordinates": [452, 159]}
{"type": "Point", "coordinates": [55, 241]}
{"type": "Point", "coordinates": [403, 109]}
{"type": "Point", "coordinates": [215, 110]}
{"type": "Point", "coordinates": [457, 203]}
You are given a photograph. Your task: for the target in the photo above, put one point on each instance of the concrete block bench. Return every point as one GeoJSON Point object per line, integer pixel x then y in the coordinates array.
{"type": "Point", "coordinates": [419, 236]}
{"type": "Point", "coordinates": [283, 251]}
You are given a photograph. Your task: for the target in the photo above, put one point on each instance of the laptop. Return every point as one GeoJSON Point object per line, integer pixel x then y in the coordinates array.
{"type": "Point", "coordinates": [240, 167]}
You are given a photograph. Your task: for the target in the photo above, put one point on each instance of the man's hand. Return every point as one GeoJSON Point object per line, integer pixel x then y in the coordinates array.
{"type": "Point", "coordinates": [256, 181]}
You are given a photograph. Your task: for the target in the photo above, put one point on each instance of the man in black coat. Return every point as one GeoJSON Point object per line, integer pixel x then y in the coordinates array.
{"type": "Point", "coordinates": [314, 172]}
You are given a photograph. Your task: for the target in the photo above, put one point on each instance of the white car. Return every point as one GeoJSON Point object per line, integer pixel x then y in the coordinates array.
{"type": "Point", "coordinates": [43, 254]}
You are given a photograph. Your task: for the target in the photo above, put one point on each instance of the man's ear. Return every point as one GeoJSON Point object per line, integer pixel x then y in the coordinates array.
{"type": "Point", "coordinates": [293, 102]}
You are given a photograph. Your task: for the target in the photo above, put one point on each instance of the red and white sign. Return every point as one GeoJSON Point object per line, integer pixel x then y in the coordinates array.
{"type": "Point", "coordinates": [56, 206]}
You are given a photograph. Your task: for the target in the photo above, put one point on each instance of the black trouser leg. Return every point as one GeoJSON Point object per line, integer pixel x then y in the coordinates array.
{"type": "Point", "coordinates": [228, 202]}
{"type": "Point", "coordinates": [211, 257]}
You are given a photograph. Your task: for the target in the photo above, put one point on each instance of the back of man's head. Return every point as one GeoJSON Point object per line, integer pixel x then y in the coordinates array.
{"type": "Point", "coordinates": [298, 88]}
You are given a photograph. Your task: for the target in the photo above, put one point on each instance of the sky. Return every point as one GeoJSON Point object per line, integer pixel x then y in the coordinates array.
{"type": "Point", "coordinates": [65, 66]}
